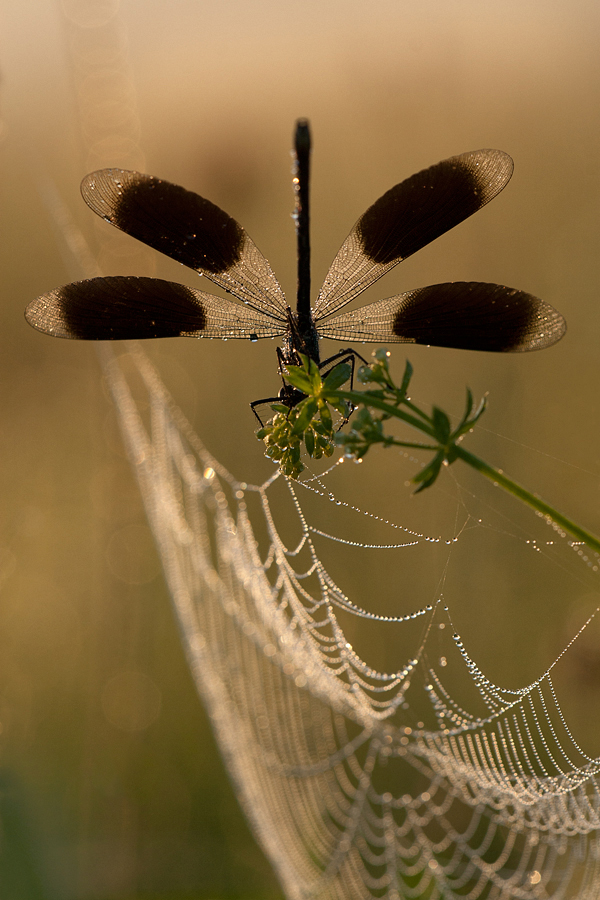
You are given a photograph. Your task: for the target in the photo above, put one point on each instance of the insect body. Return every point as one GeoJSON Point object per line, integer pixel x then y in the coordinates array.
{"type": "Point", "coordinates": [200, 235]}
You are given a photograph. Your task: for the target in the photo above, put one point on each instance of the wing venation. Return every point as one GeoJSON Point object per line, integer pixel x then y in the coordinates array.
{"type": "Point", "coordinates": [189, 229]}
{"type": "Point", "coordinates": [409, 216]}
{"type": "Point", "coordinates": [128, 308]}
{"type": "Point", "coordinates": [463, 315]}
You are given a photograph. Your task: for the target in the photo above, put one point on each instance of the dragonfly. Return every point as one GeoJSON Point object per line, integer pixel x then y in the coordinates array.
{"type": "Point", "coordinates": [197, 233]}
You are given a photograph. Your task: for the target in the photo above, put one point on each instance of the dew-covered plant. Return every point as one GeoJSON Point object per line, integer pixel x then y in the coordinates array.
{"type": "Point", "coordinates": [309, 425]}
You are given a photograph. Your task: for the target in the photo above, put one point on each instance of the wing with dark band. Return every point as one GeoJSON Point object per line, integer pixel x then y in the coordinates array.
{"type": "Point", "coordinates": [128, 308]}
{"type": "Point", "coordinates": [461, 314]}
{"type": "Point", "coordinates": [189, 229]}
{"type": "Point", "coordinates": [409, 216]}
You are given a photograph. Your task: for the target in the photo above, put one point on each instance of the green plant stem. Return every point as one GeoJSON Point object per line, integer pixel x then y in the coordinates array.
{"type": "Point", "coordinates": [310, 422]}
{"type": "Point", "coordinates": [498, 477]}
{"type": "Point", "coordinates": [495, 475]}
{"type": "Point", "coordinates": [366, 398]}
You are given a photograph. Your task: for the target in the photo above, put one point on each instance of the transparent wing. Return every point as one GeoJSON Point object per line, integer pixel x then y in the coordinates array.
{"type": "Point", "coordinates": [409, 216]}
{"type": "Point", "coordinates": [461, 314]}
{"type": "Point", "coordinates": [125, 307]}
{"type": "Point", "coordinates": [189, 229]}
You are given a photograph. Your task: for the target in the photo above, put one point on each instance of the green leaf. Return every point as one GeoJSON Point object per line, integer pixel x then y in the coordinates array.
{"type": "Point", "coordinates": [292, 467]}
{"type": "Point", "coordinates": [309, 440]}
{"type": "Point", "coordinates": [362, 418]}
{"type": "Point", "coordinates": [408, 373]}
{"type": "Point", "coordinates": [441, 425]}
{"type": "Point", "coordinates": [299, 379]}
{"type": "Point", "coordinates": [479, 411]}
{"type": "Point", "coordinates": [280, 408]}
{"type": "Point", "coordinates": [326, 417]}
{"type": "Point", "coordinates": [311, 370]}
{"type": "Point", "coordinates": [364, 374]}
{"type": "Point", "coordinates": [337, 377]}
{"type": "Point", "coordinates": [452, 454]}
{"type": "Point", "coordinates": [305, 412]}
{"type": "Point", "coordinates": [308, 364]}
{"type": "Point", "coordinates": [315, 378]}
{"type": "Point", "coordinates": [467, 423]}
{"type": "Point", "coordinates": [426, 477]}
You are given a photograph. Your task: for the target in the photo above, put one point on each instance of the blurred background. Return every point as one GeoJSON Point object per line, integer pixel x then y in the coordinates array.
{"type": "Point", "coordinates": [110, 782]}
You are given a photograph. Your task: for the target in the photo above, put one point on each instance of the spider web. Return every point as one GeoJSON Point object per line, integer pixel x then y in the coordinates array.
{"type": "Point", "coordinates": [348, 794]}
{"type": "Point", "coordinates": [347, 797]}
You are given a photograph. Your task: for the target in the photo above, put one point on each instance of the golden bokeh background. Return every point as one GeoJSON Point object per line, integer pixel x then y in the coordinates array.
{"type": "Point", "coordinates": [110, 782]}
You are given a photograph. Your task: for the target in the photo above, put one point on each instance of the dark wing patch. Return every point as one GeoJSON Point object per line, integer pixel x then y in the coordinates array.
{"type": "Point", "coordinates": [425, 206]}
{"type": "Point", "coordinates": [177, 222]}
{"type": "Point", "coordinates": [127, 308]}
{"type": "Point", "coordinates": [189, 229]}
{"type": "Point", "coordinates": [463, 315]}
{"type": "Point", "coordinates": [410, 216]}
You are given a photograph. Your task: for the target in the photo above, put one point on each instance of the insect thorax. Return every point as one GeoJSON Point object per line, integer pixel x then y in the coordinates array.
{"type": "Point", "coordinates": [300, 337]}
